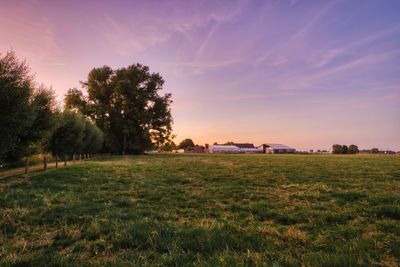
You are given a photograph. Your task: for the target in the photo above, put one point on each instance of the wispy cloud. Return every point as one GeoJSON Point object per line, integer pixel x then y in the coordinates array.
{"type": "Point", "coordinates": [125, 38]}
{"type": "Point", "coordinates": [33, 38]}
{"type": "Point", "coordinates": [327, 57]}
{"type": "Point", "coordinates": [139, 33]}
{"type": "Point", "coordinates": [202, 67]}
{"type": "Point", "coordinates": [307, 80]}
{"type": "Point", "coordinates": [363, 61]}
{"type": "Point", "coordinates": [293, 41]}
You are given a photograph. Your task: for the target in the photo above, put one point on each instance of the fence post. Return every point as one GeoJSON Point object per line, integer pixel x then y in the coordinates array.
{"type": "Point", "coordinates": [45, 163]}
{"type": "Point", "coordinates": [56, 161]}
{"type": "Point", "coordinates": [26, 167]}
{"type": "Point", "coordinates": [73, 157]}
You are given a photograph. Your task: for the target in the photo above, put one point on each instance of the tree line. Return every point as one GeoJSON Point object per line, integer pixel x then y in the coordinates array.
{"type": "Point", "coordinates": [118, 111]}
{"type": "Point", "coordinates": [344, 149]}
{"type": "Point", "coordinates": [31, 122]}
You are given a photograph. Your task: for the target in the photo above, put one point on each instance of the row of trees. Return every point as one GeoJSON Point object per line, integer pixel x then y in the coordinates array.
{"type": "Point", "coordinates": [184, 144]}
{"type": "Point", "coordinates": [31, 122]}
{"type": "Point", "coordinates": [344, 149]}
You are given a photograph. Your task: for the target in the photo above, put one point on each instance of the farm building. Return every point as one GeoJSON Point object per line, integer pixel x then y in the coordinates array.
{"type": "Point", "coordinates": [234, 148]}
{"type": "Point", "coordinates": [195, 149]}
{"type": "Point", "coordinates": [276, 148]}
{"type": "Point", "coordinates": [247, 148]}
{"type": "Point", "coordinates": [223, 149]}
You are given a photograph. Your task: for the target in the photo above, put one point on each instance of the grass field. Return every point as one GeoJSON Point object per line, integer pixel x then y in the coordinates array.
{"type": "Point", "coordinates": [206, 210]}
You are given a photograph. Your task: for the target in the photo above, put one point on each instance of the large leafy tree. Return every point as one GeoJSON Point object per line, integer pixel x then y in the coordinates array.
{"type": "Point", "coordinates": [125, 104]}
{"type": "Point", "coordinates": [26, 111]}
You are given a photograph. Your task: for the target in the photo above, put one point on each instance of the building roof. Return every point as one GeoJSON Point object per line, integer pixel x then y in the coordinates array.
{"type": "Point", "coordinates": [224, 147]}
{"type": "Point", "coordinates": [244, 145]}
{"type": "Point", "coordinates": [277, 146]}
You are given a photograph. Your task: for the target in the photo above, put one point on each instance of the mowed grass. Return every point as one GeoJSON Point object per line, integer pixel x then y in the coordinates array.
{"type": "Point", "coordinates": [206, 210]}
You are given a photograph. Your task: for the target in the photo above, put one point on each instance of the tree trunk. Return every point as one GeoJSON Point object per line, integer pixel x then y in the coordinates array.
{"type": "Point", "coordinates": [65, 160]}
{"type": "Point", "coordinates": [26, 167]}
{"type": "Point", "coordinates": [73, 158]}
{"type": "Point", "coordinates": [56, 161]}
{"type": "Point", "coordinates": [45, 163]}
{"type": "Point", "coordinates": [124, 145]}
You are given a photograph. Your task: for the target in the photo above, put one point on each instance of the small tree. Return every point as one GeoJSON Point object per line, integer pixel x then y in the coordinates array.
{"type": "Point", "coordinates": [374, 150]}
{"type": "Point", "coordinates": [353, 149]}
{"type": "Point", "coordinates": [169, 146]}
{"type": "Point", "coordinates": [345, 149]}
{"type": "Point", "coordinates": [67, 138]}
{"type": "Point", "coordinates": [337, 149]}
{"type": "Point", "coordinates": [92, 140]}
{"type": "Point", "coordinates": [186, 143]}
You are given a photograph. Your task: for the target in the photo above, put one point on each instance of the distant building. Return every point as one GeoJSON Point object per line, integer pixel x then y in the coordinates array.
{"type": "Point", "coordinates": [247, 148]}
{"type": "Point", "coordinates": [276, 148]}
{"type": "Point", "coordinates": [234, 148]}
{"type": "Point", "coordinates": [196, 149]}
{"type": "Point", "coordinates": [223, 149]}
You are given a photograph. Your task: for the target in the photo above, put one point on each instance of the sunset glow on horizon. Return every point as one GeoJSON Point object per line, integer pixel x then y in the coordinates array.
{"type": "Point", "coordinates": [307, 74]}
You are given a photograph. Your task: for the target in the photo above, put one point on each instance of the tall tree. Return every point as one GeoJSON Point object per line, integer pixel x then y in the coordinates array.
{"type": "Point", "coordinates": [26, 111]}
{"type": "Point", "coordinates": [16, 114]}
{"type": "Point", "coordinates": [126, 104]}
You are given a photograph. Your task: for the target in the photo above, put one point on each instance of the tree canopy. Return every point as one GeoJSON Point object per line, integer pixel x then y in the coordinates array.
{"type": "Point", "coordinates": [344, 149]}
{"type": "Point", "coordinates": [353, 149]}
{"type": "Point", "coordinates": [126, 105]}
{"type": "Point", "coordinates": [26, 110]}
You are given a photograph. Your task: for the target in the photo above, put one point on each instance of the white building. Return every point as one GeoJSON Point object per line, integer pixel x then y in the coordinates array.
{"type": "Point", "coordinates": [234, 148]}
{"type": "Point", "coordinates": [276, 148]}
{"type": "Point", "coordinates": [223, 149]}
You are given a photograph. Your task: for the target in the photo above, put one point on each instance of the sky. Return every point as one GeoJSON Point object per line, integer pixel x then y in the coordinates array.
{"type": "Point", "coordinates": [304, 73]}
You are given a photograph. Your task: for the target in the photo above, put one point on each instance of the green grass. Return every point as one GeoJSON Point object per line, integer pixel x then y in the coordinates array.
{"type": "Point", "coordinates": [206, 210]}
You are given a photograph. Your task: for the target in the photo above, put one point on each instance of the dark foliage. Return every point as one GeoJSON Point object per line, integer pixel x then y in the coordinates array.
{"type": "Point", "coordinates": [125, 104]}
{"type": "Point", "coordinates": [26, 111]}
{"type": "Point", "coordinates": [186, 143]}
{"type": "Point", "coordinates": [74, 134]}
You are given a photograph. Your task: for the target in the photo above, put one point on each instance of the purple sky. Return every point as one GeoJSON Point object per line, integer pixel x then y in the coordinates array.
{"type": "Point", "coordinates": [304, 73]}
